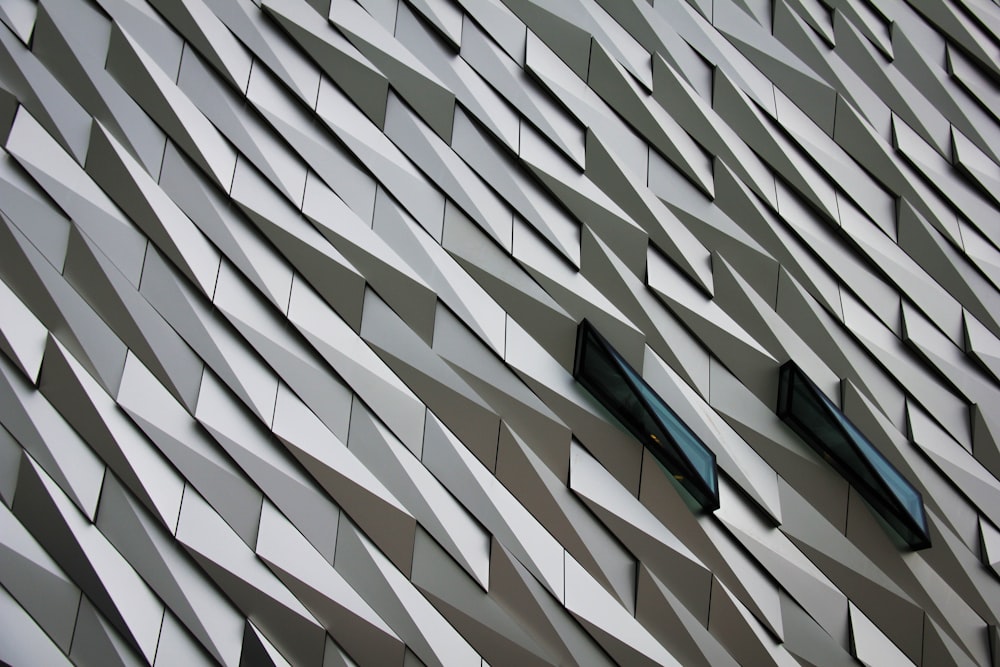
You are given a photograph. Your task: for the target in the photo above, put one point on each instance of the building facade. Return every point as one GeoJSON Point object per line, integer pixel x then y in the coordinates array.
{"type": "Point", "coordinates": [489, 332]}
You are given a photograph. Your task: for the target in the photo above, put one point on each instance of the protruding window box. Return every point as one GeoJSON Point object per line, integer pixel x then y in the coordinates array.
{"type": "Point", "coordinates": [613, 382]}
{"type": "Point", "coordinates": [826, 429]}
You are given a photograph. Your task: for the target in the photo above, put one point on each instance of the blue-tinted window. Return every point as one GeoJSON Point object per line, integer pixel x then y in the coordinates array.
{"type": "Point", "coordinates": [612, 381]}
{"type": "Point", "coordinates": [826, 429]}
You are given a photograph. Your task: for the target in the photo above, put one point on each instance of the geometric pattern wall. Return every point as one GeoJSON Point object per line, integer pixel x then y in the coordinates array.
{"type": "Point", "coordinates": [290, 294]}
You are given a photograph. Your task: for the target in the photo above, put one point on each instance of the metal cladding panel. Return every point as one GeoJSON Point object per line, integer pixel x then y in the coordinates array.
{"type": "Point", "coordinates": [289, 293]}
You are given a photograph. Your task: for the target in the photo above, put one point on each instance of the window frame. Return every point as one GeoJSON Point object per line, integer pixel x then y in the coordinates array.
{"type": "Point", "coordinates": [664, 445]}
{"type": "Point", "coordinates": [911, 528]}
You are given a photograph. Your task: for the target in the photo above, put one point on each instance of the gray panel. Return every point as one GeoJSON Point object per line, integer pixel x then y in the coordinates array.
{"type": "Point", "coordinates": [23, 642]}
{"type": "Point", "coordinates": [493, 633]}
{"type": "Point", "coordinates": [425, 631]}
{"type": "Point", "coordinates": [290, 293]}
{"type": "Point", "coordinates": [39, 430]}
{"type": "Point", "coordinates": [245, 580]}
{"type": "Point", "coordinates": [205, 613]}
{"type": "Point", "coordinates": [30, 575]}
{"type": "Point", "coordinates": [330, 598]}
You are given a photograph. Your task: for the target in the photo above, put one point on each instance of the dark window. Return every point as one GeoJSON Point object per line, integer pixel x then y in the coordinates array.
{"type": "Point", "coordinates": [824, 427]}
{"type": "Point", "coordinates": [606, 375]}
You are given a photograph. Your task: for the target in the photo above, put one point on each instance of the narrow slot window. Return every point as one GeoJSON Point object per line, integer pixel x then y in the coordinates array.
{"type": "Point", "coordinates": [612, 381]}
{"type": "Point", "coordinates": [826, 429]}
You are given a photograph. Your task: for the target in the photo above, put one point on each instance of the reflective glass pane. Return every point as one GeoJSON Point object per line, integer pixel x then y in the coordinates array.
{"type": "Point", "coordinates": [824, 427]}
{"type": "Point", "coordinates": [905, 493]}
{"type": "Point", "coordinates": [603, 372]}
{"type": "Point", "coordinates": [696, 453]}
